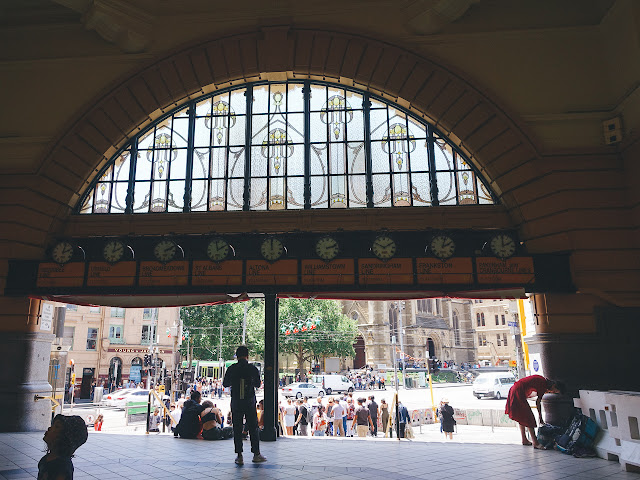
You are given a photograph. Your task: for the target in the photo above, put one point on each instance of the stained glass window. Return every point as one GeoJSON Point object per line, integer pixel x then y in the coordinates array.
{"type": "Point", "coordinates": [293, 145]}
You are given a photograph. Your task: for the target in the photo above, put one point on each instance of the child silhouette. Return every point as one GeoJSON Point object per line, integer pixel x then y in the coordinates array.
{"type": "Point", "coordinates": [63, 438]}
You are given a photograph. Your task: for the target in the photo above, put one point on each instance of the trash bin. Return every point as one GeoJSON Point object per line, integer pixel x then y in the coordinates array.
{"type": "Point", "coordinates": [97, 394]}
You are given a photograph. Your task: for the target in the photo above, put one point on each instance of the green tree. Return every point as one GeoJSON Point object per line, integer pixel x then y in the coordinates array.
{"type": "Point", "coordinates": [334, 335]}
{"type": "Point", "coordinates": [203, 324]}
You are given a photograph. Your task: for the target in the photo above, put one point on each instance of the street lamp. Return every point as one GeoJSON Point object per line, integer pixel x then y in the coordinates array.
{"type": "Point", "coordinates": [401, 306]}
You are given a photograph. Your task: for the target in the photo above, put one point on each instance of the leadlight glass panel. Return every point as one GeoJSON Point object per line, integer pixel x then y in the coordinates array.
{"type": "Point", "coordinates": [205, 146]}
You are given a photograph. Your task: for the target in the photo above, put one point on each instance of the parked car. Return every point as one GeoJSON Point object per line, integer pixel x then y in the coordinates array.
{"type": "Point", "coordinates": [110, 398]}
{"type": "Point", "coordinates": [301, 389]}
{"type": "Point", "coordinates": [137, 395]}
{"type": "Point", "coordinates": [494, 384]}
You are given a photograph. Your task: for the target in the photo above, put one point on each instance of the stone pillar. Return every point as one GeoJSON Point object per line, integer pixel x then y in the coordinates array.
{"type": "Point", "coordinates": [585, 343]}
{"type": "Point", "coordinates": [25, 358]}
{"type": "Point", "coordinates": [270, 367]}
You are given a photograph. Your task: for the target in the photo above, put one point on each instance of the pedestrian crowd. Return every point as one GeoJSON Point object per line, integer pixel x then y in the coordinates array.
{"type": "Point", "coordinates": [343, 416]}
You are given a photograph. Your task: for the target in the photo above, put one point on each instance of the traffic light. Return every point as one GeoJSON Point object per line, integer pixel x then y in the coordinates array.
{"type": "Point", "coordinates": [433, 365]}
{"type": "Point", "coordinates": [147, 360]}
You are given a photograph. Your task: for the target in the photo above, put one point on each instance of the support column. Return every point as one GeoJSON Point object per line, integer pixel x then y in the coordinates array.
{"type": "Point", "coordinates": [25, 352]}
{"type": "Point", "coordinates": [585, 343]}
{"type": "Point", "coordinates": [270, 367]}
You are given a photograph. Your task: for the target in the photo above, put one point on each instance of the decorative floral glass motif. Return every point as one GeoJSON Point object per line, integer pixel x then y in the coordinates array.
{"type": "Point", "coordinates": [294, 145]}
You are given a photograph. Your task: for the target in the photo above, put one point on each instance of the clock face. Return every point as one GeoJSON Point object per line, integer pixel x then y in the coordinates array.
{"type": "Point", "coordinates": [165, 251]}
{"type": "Point", "coordinates": [62, 252]}
{"type": "Point", "coordinates": [113, 251]}
{"type": "Point", "coordinates": [442, 246]}
{"type": "Point", "coordinates": [272, 249]}
{"type": "Point", "coordinates": [327, 248]}
{"type": "Point", "coordinates": [218, 249]}
{"type": "Point", "coordinates": [384, 247]}
{"type": "Point", "coordinates": [503, 245]}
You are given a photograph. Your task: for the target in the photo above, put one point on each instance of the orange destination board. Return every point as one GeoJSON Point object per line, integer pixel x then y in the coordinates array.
{"type": "Point", "coordinates": [336, 272]}
{"type": "Point", "coordinates": [454, 270]}
{"type": "Point", "coordinates": [54, 275]}
{"type": "Point", "coordinates": [156, 274]}
{"type": "Point", "coordinates": [103, 274]}
{"type": "Point", "coordinates": [282, 272]}
{"type": "Point", "coordinates": [397, 271]}
{"type": "Point", "coordinates": [209, 273]}
{"type": "Point", "coordinates": [511, 270]}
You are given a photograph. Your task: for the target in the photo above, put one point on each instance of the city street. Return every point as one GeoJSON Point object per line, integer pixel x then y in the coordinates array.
{"type": "Point", "coordinates": [459, 396]}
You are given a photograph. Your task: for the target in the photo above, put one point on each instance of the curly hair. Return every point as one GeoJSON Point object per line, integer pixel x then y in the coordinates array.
{"type": "Point", "coordinates": [74, 434]}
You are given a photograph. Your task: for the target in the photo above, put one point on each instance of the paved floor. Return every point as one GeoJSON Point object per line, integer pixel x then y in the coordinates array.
{"type": "Point", "coordinates": [119, 456]}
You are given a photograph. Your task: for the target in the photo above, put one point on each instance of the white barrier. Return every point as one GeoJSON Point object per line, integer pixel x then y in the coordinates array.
{"type": "Point", "coordinates": [465, 416]}
{"type": "Point", "coordinates": [616, 413]}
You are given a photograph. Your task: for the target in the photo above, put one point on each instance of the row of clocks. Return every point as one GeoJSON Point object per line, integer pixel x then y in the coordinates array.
{"type": "Point", "coordinates": [272, 248]}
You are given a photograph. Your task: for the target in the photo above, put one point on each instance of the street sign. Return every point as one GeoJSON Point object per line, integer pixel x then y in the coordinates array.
{"type": "Point", "coordinates": [46, 318]}
{"type": "Point", "coordinates": [512, 324]}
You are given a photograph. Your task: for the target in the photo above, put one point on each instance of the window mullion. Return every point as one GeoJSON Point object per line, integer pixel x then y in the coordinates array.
{"type": "Point", "coordinates": [190, 148]}
{"type": "Point", "coordinates": [306, 92]}
{"type": "Point", "coordinates": [432, 166]}
{"type": "Point", "coordinates": [246, 198]}
{"type": "Point", "coordinates": [366, 106]}
{"type": "Point", "coordinates": [133, 162]}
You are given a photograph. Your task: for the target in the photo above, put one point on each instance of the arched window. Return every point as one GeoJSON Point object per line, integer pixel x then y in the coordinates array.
{"type": "Point", "coordinates": [293, 145]}
{"type": "Point", "coordinates": [456, 329]}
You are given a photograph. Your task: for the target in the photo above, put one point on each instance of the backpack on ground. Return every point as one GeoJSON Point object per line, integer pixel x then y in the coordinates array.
{"type": "Point", "coordinates": [579, 436]}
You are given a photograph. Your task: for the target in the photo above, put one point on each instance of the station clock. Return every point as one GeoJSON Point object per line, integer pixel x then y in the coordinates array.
{"type": "Point", "coordinates": [272, 249]}
{"type": "Point", "coordinates": [442, 246]}
{"type": "Point", "coordinates": [218, 249]}
{"type": "Point", "coordinates": [166, 250]}
{"type": "Point", "coordinates": [502, 245]}
{"type": "Point", "coordinates": [384, 247]}
{"type": "Point", "coordinates": [327, 248]}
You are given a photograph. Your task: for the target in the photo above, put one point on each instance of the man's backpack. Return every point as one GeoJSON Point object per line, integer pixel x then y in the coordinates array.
{"type": "Point", "coordinates": [309, 414]}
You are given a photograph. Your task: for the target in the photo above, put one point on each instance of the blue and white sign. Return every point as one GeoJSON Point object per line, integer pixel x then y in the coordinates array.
{"type": "Point", "coordinates": [512, 324]}
{"type": "Point", "coordinates": [535, 363]}
{"type": "Point", "coordinates": [134, 373]}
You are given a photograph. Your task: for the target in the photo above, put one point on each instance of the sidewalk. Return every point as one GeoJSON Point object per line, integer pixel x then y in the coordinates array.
{"type": "Point", "coordinates": [135, 457]}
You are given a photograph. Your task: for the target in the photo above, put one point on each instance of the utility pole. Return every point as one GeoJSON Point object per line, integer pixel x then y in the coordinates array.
{"type": "Point", "coordinates": [220, 358]}
{"type": "Point", "coordinates": [244, 322]}
{"type": "Point", "coordinates": [152, 338]}
{"type": "Point", "coordinates": [155, 349]}
{"type": "Point", "coordinates": [401, 307]}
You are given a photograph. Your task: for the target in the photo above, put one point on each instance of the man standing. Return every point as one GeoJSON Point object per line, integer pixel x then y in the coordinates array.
{"type": "Point", "coordinates": [338, 414]}
{"type": "Point", "coordinates": [403, 413]}
{"type": "Point", "coordinates": [373, 411]}
{"type": "Point", "coordinates": [362, 418]}
{"type": "Point", "coordinates": [302, 418]}
{"type": "Point", "coordinates": [244, 378]}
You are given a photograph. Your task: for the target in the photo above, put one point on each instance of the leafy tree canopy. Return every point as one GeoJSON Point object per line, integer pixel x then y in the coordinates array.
{"type": "Point", "coordinates": [199, 320]}
{"type": "Point", "coordinates": [333, 336]}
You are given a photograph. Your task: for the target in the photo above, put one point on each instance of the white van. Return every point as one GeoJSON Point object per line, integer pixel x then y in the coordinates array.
{"type": "Point", "coordinates": [494, 384]}
{"type": "Point", "coordinates": [333, 383]}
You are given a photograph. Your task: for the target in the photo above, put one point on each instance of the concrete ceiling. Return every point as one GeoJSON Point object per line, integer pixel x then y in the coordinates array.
{"type": "Point", "coordinates": [128, 23]}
